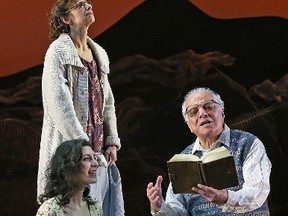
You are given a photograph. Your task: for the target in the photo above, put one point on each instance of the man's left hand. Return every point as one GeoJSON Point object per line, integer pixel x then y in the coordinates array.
{"type": "Point", "coordinates": [218, 197]}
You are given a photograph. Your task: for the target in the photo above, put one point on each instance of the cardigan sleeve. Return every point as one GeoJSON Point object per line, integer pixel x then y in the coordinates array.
{"type": "Point", "coordinates": [110, 120]}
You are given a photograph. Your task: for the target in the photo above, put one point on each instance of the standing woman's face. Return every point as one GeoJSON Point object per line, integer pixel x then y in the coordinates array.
{"type": "Point", "coordinates": [80, 14]}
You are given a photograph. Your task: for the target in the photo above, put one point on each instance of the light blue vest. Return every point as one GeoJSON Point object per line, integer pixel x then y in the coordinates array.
{"type": "Point", "coordinates": [240, 144]}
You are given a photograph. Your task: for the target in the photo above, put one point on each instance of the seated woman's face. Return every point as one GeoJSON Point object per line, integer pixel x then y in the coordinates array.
{"type": "Point", "coordinates": [88, 166]}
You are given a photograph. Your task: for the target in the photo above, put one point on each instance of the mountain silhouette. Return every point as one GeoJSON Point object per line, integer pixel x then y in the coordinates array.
{"type": "Point", "coordinates": [270, 92]}
{"type": "Point", "coordinates": [160, 28]}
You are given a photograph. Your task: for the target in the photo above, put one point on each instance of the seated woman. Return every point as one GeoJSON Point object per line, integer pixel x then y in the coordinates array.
{"type": "Point", "coordinates": [72, 168]}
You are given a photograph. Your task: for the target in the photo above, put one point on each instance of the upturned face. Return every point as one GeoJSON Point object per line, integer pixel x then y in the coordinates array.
{"type": "Point", "coordinates": [205, 116]}
{"type": "Point", "coordinates": [80, 14]}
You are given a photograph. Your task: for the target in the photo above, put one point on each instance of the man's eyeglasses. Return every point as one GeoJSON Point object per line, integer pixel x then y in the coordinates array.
{"type": "Point", "coordinates": [79, 5]}
{"type": "Point", "coordinates": [207, 105]}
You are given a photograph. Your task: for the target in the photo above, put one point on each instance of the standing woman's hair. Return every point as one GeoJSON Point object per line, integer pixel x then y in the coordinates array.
{"type": "Point", "coordinates": [56, 25]}
{"type": "Point", "coordinates": [62, 172]}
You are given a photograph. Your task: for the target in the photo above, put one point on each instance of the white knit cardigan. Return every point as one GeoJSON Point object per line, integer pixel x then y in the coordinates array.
{"type": "Point", "coordinates": [65, 100]}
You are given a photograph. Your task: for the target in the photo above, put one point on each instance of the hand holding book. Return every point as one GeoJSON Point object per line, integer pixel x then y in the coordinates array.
{"type": "Point", "coordinates": [218, 197]}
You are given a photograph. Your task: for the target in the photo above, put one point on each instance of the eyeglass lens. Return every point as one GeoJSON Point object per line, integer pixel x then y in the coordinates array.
{"type": "Point", "coordinates": [206, 105]}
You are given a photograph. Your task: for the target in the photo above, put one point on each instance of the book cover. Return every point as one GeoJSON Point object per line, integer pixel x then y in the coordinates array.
{"type": "Point", "coordinates": [220, 173]}
{"type": "Point", "coordinates": [184, 175]}
{"type": "Point", "coordinates": [215, 169]}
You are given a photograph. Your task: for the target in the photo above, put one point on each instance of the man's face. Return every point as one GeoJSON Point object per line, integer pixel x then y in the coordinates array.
{"type": "Point", "coordinates": [205, 116]}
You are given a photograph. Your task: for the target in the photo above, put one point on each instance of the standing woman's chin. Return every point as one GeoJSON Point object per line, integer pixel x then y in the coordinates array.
{"type": "Point", "coordinates": [91, 18]}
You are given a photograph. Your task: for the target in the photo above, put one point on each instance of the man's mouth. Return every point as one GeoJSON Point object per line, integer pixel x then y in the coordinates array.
{"type": "Point", "coordinates": [205, 122]}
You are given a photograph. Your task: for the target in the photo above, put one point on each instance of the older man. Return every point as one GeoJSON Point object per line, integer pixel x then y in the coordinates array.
{"type": "Point", "coordinates": [203, 111]}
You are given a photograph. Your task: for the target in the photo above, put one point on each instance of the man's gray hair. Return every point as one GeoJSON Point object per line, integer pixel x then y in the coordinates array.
{"type": "Point", "coordinates": [200, 90]}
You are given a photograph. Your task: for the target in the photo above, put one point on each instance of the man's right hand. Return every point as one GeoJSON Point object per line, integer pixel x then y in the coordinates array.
{"type": "Point", "coordinates": [154, 194]}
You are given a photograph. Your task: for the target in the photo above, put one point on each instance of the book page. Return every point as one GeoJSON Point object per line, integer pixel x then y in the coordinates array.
{"type": "Point", "coordinates": [184, 157]}
{"type": "Point", "coordinates": [216, 154]}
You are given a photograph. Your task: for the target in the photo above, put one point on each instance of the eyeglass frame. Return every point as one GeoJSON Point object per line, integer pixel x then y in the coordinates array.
{"type": "Point", "coordinates": [77, 5]}
{"type": "Point", "coordinates": [201, 105]}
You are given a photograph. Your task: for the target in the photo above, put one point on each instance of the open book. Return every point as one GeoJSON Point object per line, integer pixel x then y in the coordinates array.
{"type": "Point", "coordinates": [215, 169]}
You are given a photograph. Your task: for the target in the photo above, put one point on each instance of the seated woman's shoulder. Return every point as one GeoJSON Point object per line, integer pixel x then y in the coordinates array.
{"type": "Point", "coordinates": [50, 208]}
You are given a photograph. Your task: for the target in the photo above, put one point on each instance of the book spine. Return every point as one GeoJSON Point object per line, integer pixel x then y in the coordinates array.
{"type": "Point", "coordinates": [202, 173]}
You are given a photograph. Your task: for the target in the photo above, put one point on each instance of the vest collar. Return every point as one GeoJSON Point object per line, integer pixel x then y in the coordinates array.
{"type": "Point", "coordinates": [224, 139]}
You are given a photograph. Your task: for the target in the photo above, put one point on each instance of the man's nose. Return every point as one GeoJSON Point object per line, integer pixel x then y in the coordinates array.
{"type": "Point", "coordinates": [202, 112]}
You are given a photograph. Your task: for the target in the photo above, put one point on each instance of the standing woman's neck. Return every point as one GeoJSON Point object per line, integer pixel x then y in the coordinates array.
{"type": "Point", "coordinates": [79, 38]}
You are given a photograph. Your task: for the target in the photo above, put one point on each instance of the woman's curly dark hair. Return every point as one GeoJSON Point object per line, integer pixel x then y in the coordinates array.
{"type": "Point", "coordinates": [62, 173]}
{"type": "Point", "coordinates": [56, 25]}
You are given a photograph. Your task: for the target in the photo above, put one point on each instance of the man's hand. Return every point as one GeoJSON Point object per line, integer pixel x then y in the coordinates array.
{"type": "Point", "coordinates": [218, 197]}
{"type": "Point", "coordinates": [154, 194]}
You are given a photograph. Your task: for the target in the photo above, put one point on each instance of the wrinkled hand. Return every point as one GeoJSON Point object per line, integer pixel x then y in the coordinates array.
{"type": "Point", "coordinates": [111, 155]}
{"type": "Point", "coordinates": [218, 197]}
{"type": "Point", "coordinates": [154, 194]}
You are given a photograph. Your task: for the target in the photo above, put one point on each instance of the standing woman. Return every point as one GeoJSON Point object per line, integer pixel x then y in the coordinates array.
{"type": "Point", "coordinates": [77, 99]}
